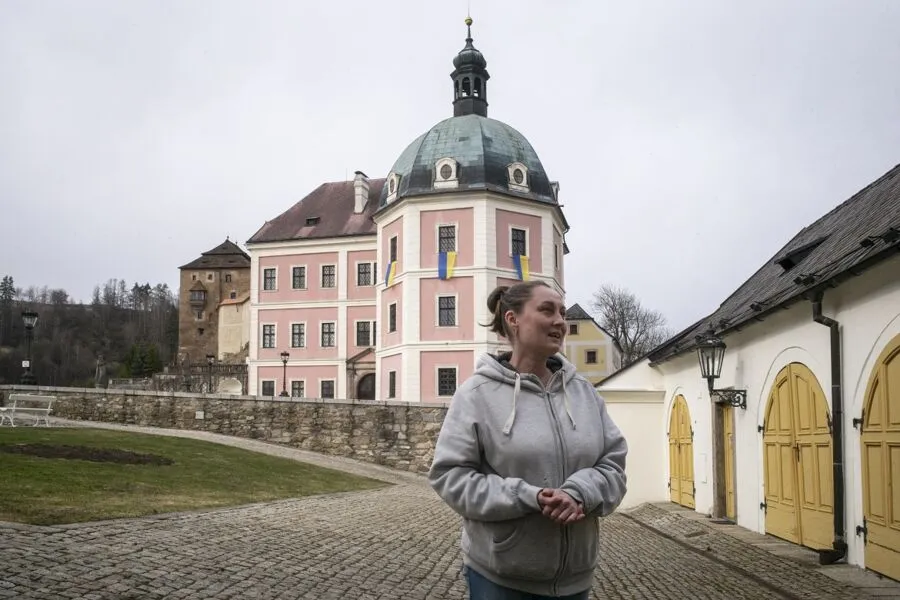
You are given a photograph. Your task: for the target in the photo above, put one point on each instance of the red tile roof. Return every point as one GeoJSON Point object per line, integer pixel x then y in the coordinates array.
{"type": "Point", "coordinates": [332, 203]}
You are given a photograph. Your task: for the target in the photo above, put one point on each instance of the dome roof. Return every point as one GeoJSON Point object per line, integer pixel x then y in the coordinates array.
{"type": "Point", "coordinates": [470, 56]}
{"type": "Point", "coordinates": [483, 149]}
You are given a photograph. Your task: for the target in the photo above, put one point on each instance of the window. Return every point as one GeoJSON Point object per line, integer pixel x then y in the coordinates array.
{"type": "Point", "coordinates": [298, 335]}
{"type": "Point", "coordinates": [327, 335]}
{"type": "Point", "coordinates": [209, 276]}
{"type": "Point", "coordinates": [328, 276]}
{"type": "Point", "coordinates": [518, 245]}
{"type": "Point", "coordinates": [392, 318]}
{"type": "Point", "coordinates": [364, 274]}
{"type": "Point", "coordinates": [227, 277]}
{"type": "Point", "coordinates": [392, 384]}
{"type": "Point", "coordinates": [446, 381]}
{"type": "Point", "coordinates": [573, 328]}
{"type": "Point", "coordinates": [268, 387]}
{"type": "Point", "coordinates": [590, 357]}
{"type": "Point", "coordinates": [198, 296]}
{"type": "Point", "coordinates": [269, 279]}
{"type": "Point", "coordinates": [298, 278]}
{"type": "Point", "coordinates": [312, 221]}
{"type": "Point", "coordinates": [268, 337]}
{"type": "Point", "coordinates": [194, 277]}
{"type": "Point", "coordinates": [199, 315]}
{"type": "Point", "coordinates": [327, 388]}
{"type": "Point", "coordinates": [447, 311]}
{"type": "Point", "coordinates": [232, 295]}
{"type": "Point", "coordinates": [556, 257]}
{"type": "Point", "coordinates": [364, 335]}
{"type": "Point", "coordinates": [393, 251]}
{"type": "Point", "coordinates": [447, 238]}
{"type": "Point", "coordinates": [297, 389]}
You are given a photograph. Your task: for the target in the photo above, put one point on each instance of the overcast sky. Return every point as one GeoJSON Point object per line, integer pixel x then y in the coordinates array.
{"type": "Point", "coordinates": [691, 138]}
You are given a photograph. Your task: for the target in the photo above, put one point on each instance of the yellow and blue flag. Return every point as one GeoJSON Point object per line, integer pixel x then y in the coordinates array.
{"type": "Point", "coordinates": [389, 273]}
{"type": "Point", "coordinates": [521, 264]}
{"type": "Point", "coordinates": [446, 264]}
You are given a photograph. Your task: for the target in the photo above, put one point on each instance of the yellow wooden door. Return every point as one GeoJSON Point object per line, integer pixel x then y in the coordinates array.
{"type": "Point", "coordinates": [728, 435]}
{"type": "Point", "coordinates": [881, 464]}
{"type": "Point", "coordinates": [797, 460]}
{"type": "Point", "coordinates": [681, 454]}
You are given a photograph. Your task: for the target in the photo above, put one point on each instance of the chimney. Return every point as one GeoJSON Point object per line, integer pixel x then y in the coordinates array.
{"type": "Point", "coordinates": [360, 191]}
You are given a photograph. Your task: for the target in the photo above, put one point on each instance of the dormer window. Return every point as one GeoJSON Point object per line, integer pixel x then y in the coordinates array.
{"type": "Point", "coordinates": [445, 174]}
{"type": "Point", "coordinates": [312, 221]}
{"type": "Point", "coordinates": [518, 177]}
{"type": "Point", "coordinates": [393, 184]}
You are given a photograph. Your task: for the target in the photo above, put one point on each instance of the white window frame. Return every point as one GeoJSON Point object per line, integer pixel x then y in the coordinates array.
{"type": "Point", "coordinates": [520, 187]}
{"type": "Point", "coordinates": [437, 379]}
{"type": "Point", "coordinates": [571, 325]}
{"type": "Point", "coordinates": [262, 335]}
{"type": "Point", "coordinates": [335, 334]}
{"type": "Point", "coordinates": [596, 356]}
{"type": "Point", "coordinates": [391, 196]}
{"type": "Point", "coordinates": [394, 394]}
{"type": "Point", "coordinates": [264, 269]}
{"type": "Point", "coordinates": [396, 317]}
{"type": "Point", "coordinates": [262, 382]}
{"type": "Point", "coordinates": [452, 181]}
{"type": "Point", "coordinates": [333, 383]}
{"type": "Point", "coordinates": [374, 270]}
{"type": "Point", "coordinates": [291, 387]}
{"type": "Point", "coordinates": [509, 239]}
{"type": "Point", "coordinates": [305, 277]}
{"type": "Point", "coordinates": [437, 311]}
{"type": "Point", "coordinates": [371, 330]}
{"type": "Point", "coordinates": [305, 334]}
{"type": "Point", "coordinates": [437, 236]}
{"type": "Point", "coordinates": [322, 276]}
{"type": "Point", "coordinates": [397, 258]}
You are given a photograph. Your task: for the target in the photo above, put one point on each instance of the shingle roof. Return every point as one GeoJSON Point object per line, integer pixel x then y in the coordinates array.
{"type": "Point", "coordinates": [332, 205]}
{"type": "Point", "coordinates": [576, 313]}
{"type": "Point", "coordinates": [226, 255]}
{"type": "Point", "coordinates": [859, 233]}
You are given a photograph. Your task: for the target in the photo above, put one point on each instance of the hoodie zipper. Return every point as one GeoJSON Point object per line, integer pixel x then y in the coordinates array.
{"type": "Point", "coordinates": [561, 448]}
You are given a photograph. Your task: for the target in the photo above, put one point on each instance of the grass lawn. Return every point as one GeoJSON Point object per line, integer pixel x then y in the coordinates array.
{"type": "Point", "coordinates": [39, 488]}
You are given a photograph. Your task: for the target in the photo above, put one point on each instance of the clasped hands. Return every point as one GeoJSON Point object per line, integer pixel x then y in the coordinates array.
{"type": "Point", "coordinates": [559, 506]}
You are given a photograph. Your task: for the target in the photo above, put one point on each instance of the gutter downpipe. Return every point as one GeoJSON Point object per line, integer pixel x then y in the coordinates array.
{"type": "Point", "coordinates": [827, 557]}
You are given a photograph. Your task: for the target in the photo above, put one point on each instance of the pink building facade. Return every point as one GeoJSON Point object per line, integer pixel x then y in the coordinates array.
{"type": "Point", "coordinates": [377, 289]}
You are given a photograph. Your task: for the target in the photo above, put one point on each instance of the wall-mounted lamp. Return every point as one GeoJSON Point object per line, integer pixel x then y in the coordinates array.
{"type": "Point", "coordinates": [711, 354]}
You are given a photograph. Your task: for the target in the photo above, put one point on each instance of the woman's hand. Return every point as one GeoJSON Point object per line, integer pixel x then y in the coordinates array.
{"type": "Point", "coordinates": [559, 506]}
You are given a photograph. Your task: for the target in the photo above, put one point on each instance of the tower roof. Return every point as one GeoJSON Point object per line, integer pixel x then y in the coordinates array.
{"type": "Point", "coordinates": [226, 255]}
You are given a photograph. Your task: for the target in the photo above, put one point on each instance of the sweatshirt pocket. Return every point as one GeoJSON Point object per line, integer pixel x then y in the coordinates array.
{"type": "Point", "coordinates": [529, 548]}
{"type": "Point", "coordinates": [584, 542]}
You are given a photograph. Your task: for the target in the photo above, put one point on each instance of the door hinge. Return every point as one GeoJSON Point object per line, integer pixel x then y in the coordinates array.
{"type": "Point", "coordinates": [764, 506]}
{"type": "Point", "coordinates": [864, 530]}
{"type": "Point", "coordinates": [669, 485]}
{"type": "Point", "coordinates": [693, 490]}
{"type": "Point", "coordinates": [761, 428]}
{"type": "Point", "coordinates": [828, 419]}
{"type": "Point", "coordinates": [857, 423]}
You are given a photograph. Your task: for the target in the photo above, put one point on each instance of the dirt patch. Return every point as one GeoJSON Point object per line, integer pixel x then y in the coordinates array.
{"type": "Point", "coordinates": [86, 453]}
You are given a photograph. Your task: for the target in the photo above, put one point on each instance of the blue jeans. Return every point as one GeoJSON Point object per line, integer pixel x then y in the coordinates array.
{"type": "Point", "coordinates": [481, 588]}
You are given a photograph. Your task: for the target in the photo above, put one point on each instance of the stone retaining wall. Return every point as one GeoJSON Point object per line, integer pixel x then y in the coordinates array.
{"type": "Point", "coordinates": [395, 434]}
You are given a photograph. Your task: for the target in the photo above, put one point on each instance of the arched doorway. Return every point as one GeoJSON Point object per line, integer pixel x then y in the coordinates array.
{"type": "Point", "coordinates": [797, 460]}
{"type": "Point", "coordinates": [365, 387]}
{"type": "Point", "coordinates": [681, 454]}
{"type": "Point", "coordinates": [881, 463]}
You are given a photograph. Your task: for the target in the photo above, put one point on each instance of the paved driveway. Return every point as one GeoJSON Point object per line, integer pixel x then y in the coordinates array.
{"type": "Point", "coordinates": [395, 543]}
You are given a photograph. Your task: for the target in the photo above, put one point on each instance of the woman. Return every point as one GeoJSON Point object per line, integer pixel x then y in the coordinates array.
{"type": "Point", "coordinates": [529, 457]}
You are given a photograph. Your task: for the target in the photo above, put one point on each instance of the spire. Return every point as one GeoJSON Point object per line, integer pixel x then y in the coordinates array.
{"type": "Point", "coordinates": [469, 79]}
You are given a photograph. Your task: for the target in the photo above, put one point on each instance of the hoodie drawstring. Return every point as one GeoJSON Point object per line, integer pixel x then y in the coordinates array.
{"type": "Point", "coordinates": [512, 416]}
{"type": "Point", "coordinates": [517, 388]}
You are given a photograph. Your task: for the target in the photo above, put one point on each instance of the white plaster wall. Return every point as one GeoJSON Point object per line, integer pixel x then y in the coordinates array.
{"type": "Point", "coordinates": [634, 414]}
{"type": "Point", "coordinates": [868, 309]}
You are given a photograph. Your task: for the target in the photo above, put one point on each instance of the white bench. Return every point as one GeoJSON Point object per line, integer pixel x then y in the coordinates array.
{"type": "Point", "coordinates": [30, 405]}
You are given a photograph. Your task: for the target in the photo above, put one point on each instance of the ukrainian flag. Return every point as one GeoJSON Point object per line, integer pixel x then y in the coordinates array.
{"type": "Point", "coordinates": [389, 273]}
{"type": "Point", "coordinates": [446, 264]}
{"type": "Point", "coordinates": [521, 264]}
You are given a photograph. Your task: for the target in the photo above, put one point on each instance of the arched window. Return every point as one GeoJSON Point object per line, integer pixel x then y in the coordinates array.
{"type": "Point", "coordinates": [466, 87]}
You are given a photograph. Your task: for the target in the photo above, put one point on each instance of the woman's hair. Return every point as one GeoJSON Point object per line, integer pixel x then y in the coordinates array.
{"type": "Point", "coordinates": [509, 297]}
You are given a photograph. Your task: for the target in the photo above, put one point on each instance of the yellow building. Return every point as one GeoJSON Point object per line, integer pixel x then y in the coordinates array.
{"type": "Point", "coordinates": [591, 348]}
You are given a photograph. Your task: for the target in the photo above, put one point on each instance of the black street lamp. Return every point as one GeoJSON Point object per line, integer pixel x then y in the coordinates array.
{"type": "Point", "coordinates": [711, 354]}
{"type": "Point", "coordinates": [30, 319]}
{"type": "Point", "coordinates": [284, 359]}
{"type": "Point", "coordinates": [210, 360]}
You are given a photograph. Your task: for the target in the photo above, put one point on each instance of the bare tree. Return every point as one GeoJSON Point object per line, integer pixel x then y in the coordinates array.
{"type": "Point", "coordinates": [638, 329]}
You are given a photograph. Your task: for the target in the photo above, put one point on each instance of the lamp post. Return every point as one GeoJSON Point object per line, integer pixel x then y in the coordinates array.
{"type": "Point", "coordinates": [210, 360]}
{"type": "Point", "coordinates": [284, 360]}
{"type": "Point", "coordinates": [711, 354]}
{"type": "Point", "coordinates": [30, 319]}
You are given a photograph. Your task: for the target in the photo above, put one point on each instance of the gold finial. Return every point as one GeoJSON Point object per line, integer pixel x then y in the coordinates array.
{"type": "Point", "coordinates": [469, 21]}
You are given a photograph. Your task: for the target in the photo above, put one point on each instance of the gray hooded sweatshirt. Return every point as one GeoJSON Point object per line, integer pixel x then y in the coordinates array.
{"type": "Point", "coordinates": [504, 438]}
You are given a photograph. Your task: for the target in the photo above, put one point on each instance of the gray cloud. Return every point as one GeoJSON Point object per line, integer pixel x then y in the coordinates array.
{"type": "Point", "coordinates": [691, 139]}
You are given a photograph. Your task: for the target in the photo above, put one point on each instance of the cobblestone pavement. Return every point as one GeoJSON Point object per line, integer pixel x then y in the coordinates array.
{"type": "Point", "coordinates": [399, 542]}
